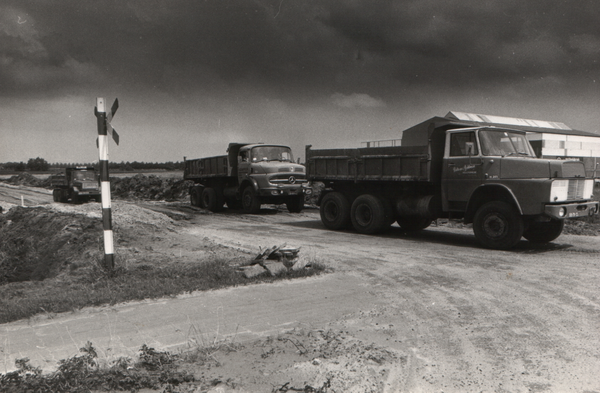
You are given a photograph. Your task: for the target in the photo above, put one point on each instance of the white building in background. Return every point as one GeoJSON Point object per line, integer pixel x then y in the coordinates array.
{"type": "Point", "coordinates": [549, 139]}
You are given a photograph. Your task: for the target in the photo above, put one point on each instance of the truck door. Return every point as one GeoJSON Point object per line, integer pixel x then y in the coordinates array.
{"type": "Point", "coordinates": [243, 164]}
{"type": "Point", "coordinates": [462, 170]}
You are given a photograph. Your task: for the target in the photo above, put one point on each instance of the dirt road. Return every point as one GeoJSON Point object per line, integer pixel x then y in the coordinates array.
{"type": "Point", "coordinates": [458, 317]}
{"type": "Point", "coordinates": [463, 318]}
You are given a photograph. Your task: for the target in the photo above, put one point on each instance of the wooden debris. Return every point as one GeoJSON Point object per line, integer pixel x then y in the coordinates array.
{"type": "Point", "coordinates": [274, 259]}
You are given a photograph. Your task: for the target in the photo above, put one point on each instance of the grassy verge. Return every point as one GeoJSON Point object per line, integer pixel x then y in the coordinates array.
{"type": "Point", "coordinates": [21, 300]}
{"type": "Point", "coordinates": [153, 370]}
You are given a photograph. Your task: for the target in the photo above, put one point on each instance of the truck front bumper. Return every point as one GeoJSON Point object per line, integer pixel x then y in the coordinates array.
{"type": "Point", "coordinates": [284, 191]}
{"type": "Point", "coordinates": [572, 210]}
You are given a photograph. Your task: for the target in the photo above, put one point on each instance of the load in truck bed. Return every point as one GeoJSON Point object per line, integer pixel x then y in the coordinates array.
{"type": "Point", "coordinates": [400, 163]}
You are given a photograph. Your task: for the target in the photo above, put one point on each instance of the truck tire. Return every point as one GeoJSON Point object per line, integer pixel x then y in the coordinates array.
{"type": "Point", "coordinates": [196, 197]}
{"type": "Point", "coordinates": [335, 211]}
{"type": "Point", "coordinates": [56, 195]}
{"type": "Point", "coordinates": [413, 223]}
{"type": "Point", "coordinates": [369, 214]}
{"type": "Point", "coordinates": [498, 225]}
{"type": "Point", "coordinates": [544, 232]}
{"type": "Point", "coordinates": [295, 204]}
{"type": "Point", "coordinates": [64, 196]}
{"type": "Point", "coordinates": [212, 200]}
{"type": "Point", "coordinates": [250, 201]}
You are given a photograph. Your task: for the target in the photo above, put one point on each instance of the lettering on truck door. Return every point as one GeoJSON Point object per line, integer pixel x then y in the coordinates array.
{"type": "Point", "coordinates": [463, 169]}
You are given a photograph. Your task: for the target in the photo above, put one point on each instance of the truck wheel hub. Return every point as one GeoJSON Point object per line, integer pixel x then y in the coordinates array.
{"type": "Point", "coordinates": [364, 215]}
{"type": "Point", "coordinates": [494, 226]}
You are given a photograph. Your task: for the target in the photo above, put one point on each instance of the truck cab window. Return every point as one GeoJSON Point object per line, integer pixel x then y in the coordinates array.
{"type": "Point", "coordinates": [458, 144]}
{"type": "Point", "coordinates": [497, 143]}
{"type": "Point", "coordinates": [272, 153]}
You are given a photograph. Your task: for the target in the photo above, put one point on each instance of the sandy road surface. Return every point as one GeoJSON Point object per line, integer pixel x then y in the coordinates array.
{"type": "Point", "coordinates": [463, 318]}
{"type": "Point", "coordinates": [460, 318]}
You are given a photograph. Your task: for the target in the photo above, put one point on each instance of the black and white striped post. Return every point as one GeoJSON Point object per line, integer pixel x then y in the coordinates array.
{"type": "Point", "coordinates": [105, 128]}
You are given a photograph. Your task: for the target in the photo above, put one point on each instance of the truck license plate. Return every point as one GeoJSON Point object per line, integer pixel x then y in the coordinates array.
{"type": "Point", "coordinates": [574, 214]}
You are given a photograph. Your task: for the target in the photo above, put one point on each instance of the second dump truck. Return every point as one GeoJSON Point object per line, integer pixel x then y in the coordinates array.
{"type": "Point", "coordinates": [451, 168]}
{"type": "Point", "coordinates": [249, 175]}
{"type": "Point", "coordinates": [76, 184]}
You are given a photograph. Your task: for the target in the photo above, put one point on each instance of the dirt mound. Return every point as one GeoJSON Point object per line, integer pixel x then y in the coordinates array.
{"type": "Point", "coordinates": [27, 179]}
{"type": "Point", "coordinates": [150, 187]}
{"type": "Point", "coordinates": [37, 243]}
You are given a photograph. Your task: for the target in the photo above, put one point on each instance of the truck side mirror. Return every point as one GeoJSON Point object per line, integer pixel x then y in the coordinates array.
{"type": "Point", "coordinates": [470, 147]}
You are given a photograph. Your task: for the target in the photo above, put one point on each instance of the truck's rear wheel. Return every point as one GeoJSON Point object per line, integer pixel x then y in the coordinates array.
{"type": "Point", "coordinates": [212, 200]}
{"type": "Point", "coordinates": [544, 232]}
{"type": "Point", "coordinates": [295, 204]}
{"type": "Point", "coordinates": [369, 214]}
{"type": "Point", "coordinates": [413, 223]}
{"type": "Point", "coordinates": [498, 225]}
{"type": "Point", "coordinates": [250, 201]}
{"type": "Point", "coordinates": [335, 211]}
{"type": "Point", "coordinates": [56, 195]}
{"type": "Point", "coordinates": [196, 196]}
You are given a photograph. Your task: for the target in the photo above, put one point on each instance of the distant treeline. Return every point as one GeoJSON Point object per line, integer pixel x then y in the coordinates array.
{"type": "Point", "coordinates": [40, 165]}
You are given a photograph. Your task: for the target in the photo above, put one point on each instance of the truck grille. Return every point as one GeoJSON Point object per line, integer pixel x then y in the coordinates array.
{"type": "Point", "coordinates": [296, 178]}
{"type": "Point", "coordinates": [89, 185]}
{"type": "Point", "coordinates": [576, 189]}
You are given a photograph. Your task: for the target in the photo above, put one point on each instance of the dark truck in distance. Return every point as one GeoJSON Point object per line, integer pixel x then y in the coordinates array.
{"type": "Point", "coordinates": [485, 175]}
{"type": "Point", "coordinates": [77, 184]}
{"type": "Point", "coordinates": [248, 176]}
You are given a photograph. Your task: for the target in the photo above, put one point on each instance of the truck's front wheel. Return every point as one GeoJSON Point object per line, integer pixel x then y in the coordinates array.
{"type": "Point", "coordinates": [250, 201]}
{"type": "Point", "coordinates": [544, 232]}
{"type": "Point", "coordinates": [498, 225]}
{"type": "Point", "coordinates": [335, 211]}
{"type": "Point", "coordinates": [369, 214]}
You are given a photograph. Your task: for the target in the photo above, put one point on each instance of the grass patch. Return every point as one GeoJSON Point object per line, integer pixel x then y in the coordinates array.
{"type": "Point", "coordinates": [153, 370]}
{"type": "Point", "coordinates": [25, 299]}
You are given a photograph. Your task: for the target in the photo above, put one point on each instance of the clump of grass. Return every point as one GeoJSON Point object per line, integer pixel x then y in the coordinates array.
{"type": "Point", "coordinates": [153, 370]}
{"type": "Point", "coordinates": [99, 287]}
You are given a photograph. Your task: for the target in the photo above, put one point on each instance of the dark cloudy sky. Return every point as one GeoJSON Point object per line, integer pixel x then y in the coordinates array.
{"type": "Point", "coordinates": [194, 75]}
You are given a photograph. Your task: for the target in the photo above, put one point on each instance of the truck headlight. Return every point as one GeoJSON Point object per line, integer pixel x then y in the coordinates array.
{"type": "Point", "coordinates": [588, 189]}
{"type": "Point", "coordinates": [562, 211]}
{"type": "Point", "coordinates": [559, 191]}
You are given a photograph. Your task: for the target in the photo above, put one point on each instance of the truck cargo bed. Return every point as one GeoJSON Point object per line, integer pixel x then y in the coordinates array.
{"type": "Point", "coordinates": [395, 163]}
{"type": "Point", "coordinates": [206, 167]}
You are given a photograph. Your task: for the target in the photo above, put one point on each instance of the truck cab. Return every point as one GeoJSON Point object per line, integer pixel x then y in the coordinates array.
{"type": "Point", "coordinates": [492, 178]}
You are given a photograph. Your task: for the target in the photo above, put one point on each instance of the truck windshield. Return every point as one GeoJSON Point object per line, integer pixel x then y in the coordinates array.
{"type": "Point", "coordinates": [272, 153]}
{"type": "Point", "coordinates": [504, 143]}
{"type": "Point", "coordinates": [84, 175]}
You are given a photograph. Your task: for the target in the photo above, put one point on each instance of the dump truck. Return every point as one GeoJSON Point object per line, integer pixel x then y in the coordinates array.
{"type": "Point", "coordinates": [76, 184]}
{"type": "Point", "coordinates": [250, 174]}
{"type": "Point", "coordinates": [449, 168]}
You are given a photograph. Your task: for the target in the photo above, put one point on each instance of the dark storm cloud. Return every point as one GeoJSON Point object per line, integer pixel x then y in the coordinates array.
{"type": "Point", "coordinates": [334, 45]}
